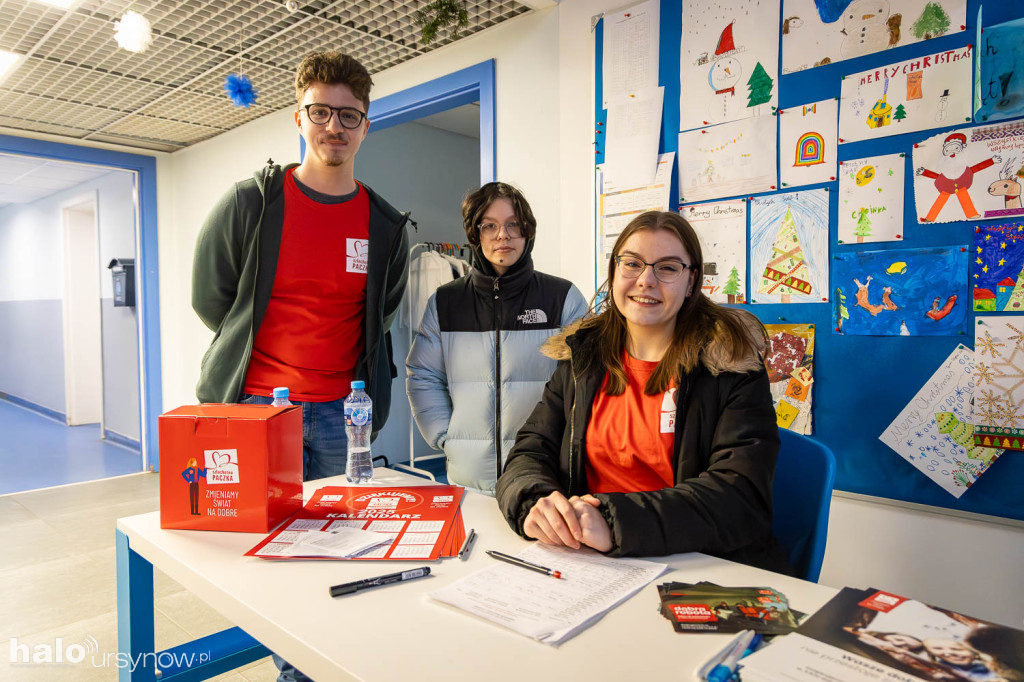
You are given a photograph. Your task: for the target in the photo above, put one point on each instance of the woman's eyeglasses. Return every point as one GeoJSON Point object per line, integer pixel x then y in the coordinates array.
{"type": "Point", "coordinates": [666, 271]}
{"type": "Point", "coordinates": [490, 229]}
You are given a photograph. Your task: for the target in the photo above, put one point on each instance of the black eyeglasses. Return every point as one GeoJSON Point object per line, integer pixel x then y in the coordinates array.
{"type": "Point", "coordinates": [490, 229]}
{"type": "Point", "coordinates": [666, 271]}
{"type": "Point", "coordinates": [348, 117]}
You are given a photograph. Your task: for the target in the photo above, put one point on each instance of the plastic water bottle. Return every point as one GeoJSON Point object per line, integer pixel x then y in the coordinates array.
{"type": "Point", "coordinates": [281, 397]}
{"type": "Point", "coordinates": [358, 424]}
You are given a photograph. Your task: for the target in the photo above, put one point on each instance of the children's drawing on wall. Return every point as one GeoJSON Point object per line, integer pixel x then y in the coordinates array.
{"type": "Point", "coordinates": [982, 167]}
{"type": "Point", "coordinates": [807, 143]}
{"type": "Point", "coordinates": [999, 382]}
{"type": "Point", "coordinates": [934, 432]}
{"type": "Point", "coordinates": [871, 199]}
{"type": "Point", "coordinates": [728, 62]}
{"type": "Point", "coordinates": [789, 247]}
{"type": "Point", "coordinates": [790, 363]}
{"type": "Point", "coordinates": [925, 92]}
{"type": "Point", "coordinates": [999, 91]}
{"type": "Point", "coordinates": [901, 292]}
{"type": "Point", "coordinates": [819, 32]}
{"type": "Point", "coordinates": [998, 276]}
{"type": "Point", "coordinates": [727, 160]}
{"type": "Point", "coordinates": [722, 229]}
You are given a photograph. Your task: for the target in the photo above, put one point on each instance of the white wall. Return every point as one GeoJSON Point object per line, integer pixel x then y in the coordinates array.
{"type": "Point", "coordinates": [545, 134]}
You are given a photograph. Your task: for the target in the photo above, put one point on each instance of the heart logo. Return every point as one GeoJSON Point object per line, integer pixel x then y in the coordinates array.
{"type": "Point", "coordinates": [221, 459]}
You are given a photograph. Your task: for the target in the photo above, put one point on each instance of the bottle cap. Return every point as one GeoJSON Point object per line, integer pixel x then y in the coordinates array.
{"type": "Point", "coordinates": [358, 384]}
{"type": "Point", "coordinates": [281, 392]}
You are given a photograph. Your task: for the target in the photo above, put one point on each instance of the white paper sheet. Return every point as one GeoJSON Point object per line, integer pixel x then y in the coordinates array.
{"type": "Point", "coordinates": [871, 199]}
{"type": "Point", "coordinates": [807, 143]}
{"type": "Point", "coordinates": [789, 247]}
{"type": "Point", "coordinates": [729, 59]}
{"type": "Point", "coordinates": [630, 51]}
{"type": "Point", "coordinates": [728, 160]}
{"type": "Point", "coordinates": [815, 33]}
{"type": "Point", "coordinates": [999, 376]}
{"type": "Point", "coordinates": [544, 608]}
{"type": "Point", "coordinates": [631, 138]}
{"type": "Point", "coordinates": [618, 204]}
{"type": "Point", "coordinates": [722, 229]}
{"type": "Point", "coordinates": [974, 179]}
{"type": "Point", "coordinates": [933, 432]}
{"type": "Point", "coordinates": [930, 91]}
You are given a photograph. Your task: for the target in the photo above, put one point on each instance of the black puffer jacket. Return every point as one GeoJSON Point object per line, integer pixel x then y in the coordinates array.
{"type": "Point", "coordinates": [726, 441]}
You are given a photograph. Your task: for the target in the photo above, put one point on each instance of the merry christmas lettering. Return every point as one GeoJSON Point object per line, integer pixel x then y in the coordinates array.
{"type": "Point", "coordinates": [948, 57]}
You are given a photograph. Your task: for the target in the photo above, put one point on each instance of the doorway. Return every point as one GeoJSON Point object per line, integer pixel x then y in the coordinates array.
{"type": "Point", "coordinates": [83, 337]}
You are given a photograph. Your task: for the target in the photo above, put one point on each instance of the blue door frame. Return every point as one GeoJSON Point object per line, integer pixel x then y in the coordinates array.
{"type": "Point", "coordinates": [148, 308]}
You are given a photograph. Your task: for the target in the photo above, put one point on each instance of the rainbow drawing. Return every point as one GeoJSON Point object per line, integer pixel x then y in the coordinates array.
{"type": "Point", "coordinates": [810, 150]}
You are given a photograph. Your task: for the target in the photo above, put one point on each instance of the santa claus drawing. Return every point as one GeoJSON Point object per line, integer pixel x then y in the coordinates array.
{"type": "Point", "coordinates": [954, 176]}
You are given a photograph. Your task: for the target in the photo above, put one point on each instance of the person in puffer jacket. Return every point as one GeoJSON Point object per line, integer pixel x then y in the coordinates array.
{"type": "Point", "coordinates": [475, 371]}
{"type": "Point", "coordinates": [656, 434]}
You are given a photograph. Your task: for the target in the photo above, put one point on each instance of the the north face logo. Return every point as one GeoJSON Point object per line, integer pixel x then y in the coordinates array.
{"type": "Point", "coordinates": [535, 316]}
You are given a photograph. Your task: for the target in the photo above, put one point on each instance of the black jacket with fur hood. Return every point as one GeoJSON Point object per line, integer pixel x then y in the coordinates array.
{"type": "Point", "coordinates": [726, 442]}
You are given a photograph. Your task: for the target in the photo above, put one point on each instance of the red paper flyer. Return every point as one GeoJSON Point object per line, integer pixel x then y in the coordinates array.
{"type": "Point", "coordinates": [422, 521]}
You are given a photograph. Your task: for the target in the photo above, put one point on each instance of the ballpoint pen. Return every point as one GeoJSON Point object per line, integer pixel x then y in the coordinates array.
{"type": "Point", "coordinates": [468, 544]}
{"type": "Point", "coordinates": [722, 667]}
{"type": "Point", "coordinates": [350, 588]}
{"type": "Point", "coordinates": [515, 561]}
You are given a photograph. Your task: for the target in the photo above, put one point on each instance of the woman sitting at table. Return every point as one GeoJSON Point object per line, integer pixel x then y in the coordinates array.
{"type": "Point", "coordinates": [656, 434]}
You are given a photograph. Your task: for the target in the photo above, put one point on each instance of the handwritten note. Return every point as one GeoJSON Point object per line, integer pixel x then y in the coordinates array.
{"type": "Point", "coordinates": [934, 431]}
{"type": "Point", "coordinates": [545, 608]}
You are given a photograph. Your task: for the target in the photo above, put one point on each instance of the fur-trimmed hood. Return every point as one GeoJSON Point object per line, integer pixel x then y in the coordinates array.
{"type": "Point", "coordinates": [579, 338]}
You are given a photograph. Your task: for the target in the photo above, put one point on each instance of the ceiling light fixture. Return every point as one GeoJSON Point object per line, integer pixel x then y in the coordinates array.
{"type": "Point", "coordinates": [133, 32]}
{"type": "Point", "coordinates": [8, 61]}
{"type": "Point", "coordinates": [64, 4]}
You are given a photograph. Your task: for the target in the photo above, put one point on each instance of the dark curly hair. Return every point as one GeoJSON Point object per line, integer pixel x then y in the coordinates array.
{"type": "Point", "coordinates": [333, 67]}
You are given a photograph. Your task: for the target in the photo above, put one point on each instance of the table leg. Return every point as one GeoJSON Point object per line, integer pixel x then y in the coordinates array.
{"type": "Point", "coordinates": [136, 644]}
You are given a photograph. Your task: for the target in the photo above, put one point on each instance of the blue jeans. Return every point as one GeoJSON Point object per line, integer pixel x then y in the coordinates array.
{"type": "Point", "coordinates": [324, 453]}
{"type": "Point", "coordinates": [324, 444]}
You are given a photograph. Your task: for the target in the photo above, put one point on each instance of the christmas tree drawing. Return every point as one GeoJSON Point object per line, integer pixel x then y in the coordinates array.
{"type": "Point", "coordinates": [899, 114]}
{"type": "Point", "coordinates": [732, 285]}
{"type": "Point", "coordinates": [786, 272]}
{"type": "Point", "coordinates": [863, 228]}
{"type": "Point", "coordinates": [841, 312]}
{"type": "Point", "coordinates": [759, 87]}
{"type": "Point", "coordinates": [1016, 300]}
{"type": "Point", "coordinates": [932, 23]}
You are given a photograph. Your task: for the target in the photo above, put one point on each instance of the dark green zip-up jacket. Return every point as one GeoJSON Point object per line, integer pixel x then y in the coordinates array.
{"type": "Point", "coordinates": [233, 274]}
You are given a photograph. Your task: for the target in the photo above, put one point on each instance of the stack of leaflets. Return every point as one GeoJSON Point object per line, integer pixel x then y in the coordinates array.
{"type": "Point", "coordinates": [362, 522]}
{"type": "Point", "coordinates": [875, 635]}
{"type": "Point", "coordinates": [706, 607]}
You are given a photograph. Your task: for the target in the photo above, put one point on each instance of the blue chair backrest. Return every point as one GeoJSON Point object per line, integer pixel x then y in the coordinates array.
{"type": "Point", "coordinates": [802, 492]}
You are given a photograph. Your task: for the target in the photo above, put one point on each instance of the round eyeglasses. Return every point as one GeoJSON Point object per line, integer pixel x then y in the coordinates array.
{"type": "Point", "coordinates": [490, 229]}
{"type": "Point", "coordinates": [666, 271]}
{"type": "Point", "coordinates": [320, 114]}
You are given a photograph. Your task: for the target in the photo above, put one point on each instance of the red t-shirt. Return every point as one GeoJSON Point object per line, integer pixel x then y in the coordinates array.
{"type": "Point", "coordinates": [630, 436]}
{"type": "Point", "coordinates": [312, 333]}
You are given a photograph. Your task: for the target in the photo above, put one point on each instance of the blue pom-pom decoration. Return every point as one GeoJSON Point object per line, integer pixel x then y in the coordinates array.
{"type": "Point", "coordinates": [240, 90]}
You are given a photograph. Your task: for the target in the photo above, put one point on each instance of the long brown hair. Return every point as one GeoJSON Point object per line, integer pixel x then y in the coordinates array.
{"type": "Point", "coordinates": [704, 330]}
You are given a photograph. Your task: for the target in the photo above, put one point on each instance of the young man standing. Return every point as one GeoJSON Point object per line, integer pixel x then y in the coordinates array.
{"type": "Point", "coordinates": [300, 270]}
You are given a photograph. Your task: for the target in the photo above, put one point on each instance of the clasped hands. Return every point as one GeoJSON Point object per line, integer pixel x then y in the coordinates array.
{"type": "Point", "coordinates": [572, 522]}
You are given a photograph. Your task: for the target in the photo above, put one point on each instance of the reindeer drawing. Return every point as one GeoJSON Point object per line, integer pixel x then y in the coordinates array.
{"type": "Point", "coordinates": [1008, 185]}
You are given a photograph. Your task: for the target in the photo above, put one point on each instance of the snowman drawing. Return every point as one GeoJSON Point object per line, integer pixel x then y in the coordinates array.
{"type": "Point", "coordinates": [867, 28]}
{"type": "Point", "coordinates": [724, 74]}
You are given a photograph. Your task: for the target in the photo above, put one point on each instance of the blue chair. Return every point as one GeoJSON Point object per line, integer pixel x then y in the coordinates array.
{"type": "Point", "coordinates": [802, 492]}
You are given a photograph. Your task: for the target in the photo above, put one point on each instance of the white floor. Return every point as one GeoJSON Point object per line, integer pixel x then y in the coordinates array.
{"type": "Point", "coordinates": [57, 579]}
